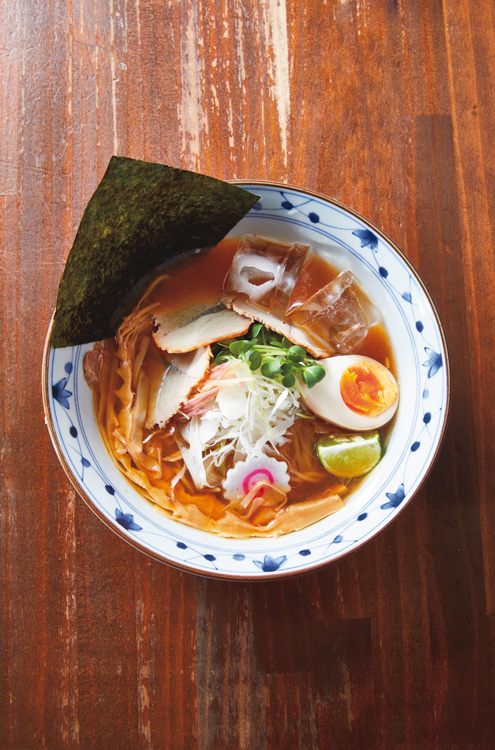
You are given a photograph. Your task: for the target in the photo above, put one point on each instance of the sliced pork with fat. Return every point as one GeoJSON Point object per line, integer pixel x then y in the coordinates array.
{"type": "Point", "coordinates": [171, 387]}
{"type": "Point", "coordinates": [190, 328]}
{"type": "Point", "coordinates": [294, 334]}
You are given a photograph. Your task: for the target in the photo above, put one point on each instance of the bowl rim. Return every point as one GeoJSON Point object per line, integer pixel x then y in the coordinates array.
{"type": "Point", "coordinates": [279, 574]}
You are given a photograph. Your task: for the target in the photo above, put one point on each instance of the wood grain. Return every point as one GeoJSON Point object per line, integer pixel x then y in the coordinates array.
{"type": "Point", "coordinates": [387, 105]}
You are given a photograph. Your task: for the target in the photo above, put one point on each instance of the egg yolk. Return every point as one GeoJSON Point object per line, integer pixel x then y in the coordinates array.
{"type": "Point", "coordinates": [366, 390]}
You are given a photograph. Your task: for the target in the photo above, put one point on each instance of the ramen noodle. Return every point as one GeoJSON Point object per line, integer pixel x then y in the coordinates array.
{"type": "Point", "coordinates": [235, 365]}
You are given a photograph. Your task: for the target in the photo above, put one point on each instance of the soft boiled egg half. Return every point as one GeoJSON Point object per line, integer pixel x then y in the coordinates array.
{"type": "Point", "coordinates": [357, 393]}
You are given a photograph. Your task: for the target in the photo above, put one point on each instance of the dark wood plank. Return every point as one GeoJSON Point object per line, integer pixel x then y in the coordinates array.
{"type": "Point", "coordinates": [173, 661]}
{"type": "Point", "coordinates": [470, 55]}
{"type": "Point", "coordinates": [453, 503]}
{"type": "Point", "coordinates": [231, 698]}
{"type": "Point", "coordinates": [290, 711]}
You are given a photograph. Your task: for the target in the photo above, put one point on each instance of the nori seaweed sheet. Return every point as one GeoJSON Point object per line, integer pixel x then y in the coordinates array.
{"type": "Point", "coordinates": [140, 215]}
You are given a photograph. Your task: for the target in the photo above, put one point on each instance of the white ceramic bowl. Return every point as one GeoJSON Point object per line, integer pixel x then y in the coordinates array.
{"type": "Point", "coordinates": [414, 441]}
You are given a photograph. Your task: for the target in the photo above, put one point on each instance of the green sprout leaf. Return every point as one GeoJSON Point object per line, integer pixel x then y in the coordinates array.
{"type": "Point", "coordinates": [288, 381]}
{"type": "Point", "coordinates": [286, 368]}
{"type": "Point", "coordinates": [271, 368]}
{"type": "Point", "coordinates": [313, 374]}
{"type": "Point", "coordinates": [255, 359]}
{"type": "Point", "coordinates": [236, 348]}
{"type": "Point", "coordinates": [296, 353]}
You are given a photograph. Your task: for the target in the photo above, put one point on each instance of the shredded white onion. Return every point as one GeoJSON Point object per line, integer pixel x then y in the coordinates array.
{"type": "Point", "coordinates": [249, 416]}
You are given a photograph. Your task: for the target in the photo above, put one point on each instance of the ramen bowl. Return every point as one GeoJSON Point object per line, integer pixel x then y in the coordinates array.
{"type": "Point", "coordinates": [412, 445]}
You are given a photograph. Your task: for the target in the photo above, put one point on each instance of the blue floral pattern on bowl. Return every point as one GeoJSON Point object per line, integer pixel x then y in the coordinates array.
{"type": "Point", "coordinates": [422, 363]}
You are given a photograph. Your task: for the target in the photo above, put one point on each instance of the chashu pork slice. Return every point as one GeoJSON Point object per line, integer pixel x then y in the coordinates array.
{"type": "Point", "coordinates": [172, 383]}
{"type": "Point", "coordinates": [293, 333]}
{"type": "Point", "coordinates": [200, 325]}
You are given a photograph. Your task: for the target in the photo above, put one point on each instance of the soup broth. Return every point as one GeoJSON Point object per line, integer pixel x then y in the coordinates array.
{"type": "Point", "coordinates": [129, 372]}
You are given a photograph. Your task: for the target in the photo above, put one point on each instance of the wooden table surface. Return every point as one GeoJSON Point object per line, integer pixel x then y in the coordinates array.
{"type": "Point", "coordinates": [387, 105]}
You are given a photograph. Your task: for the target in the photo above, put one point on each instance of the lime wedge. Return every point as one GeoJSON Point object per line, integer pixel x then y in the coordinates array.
{"type": "Point", "coordinates": [349, 456]}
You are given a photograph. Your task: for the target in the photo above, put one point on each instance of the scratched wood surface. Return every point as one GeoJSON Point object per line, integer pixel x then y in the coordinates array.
{"type": "Point", "coordinates": [387, 105]}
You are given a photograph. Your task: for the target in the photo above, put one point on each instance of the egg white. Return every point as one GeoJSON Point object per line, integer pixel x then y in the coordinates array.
{"type": "Point", "coordinates": [325, 401]}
